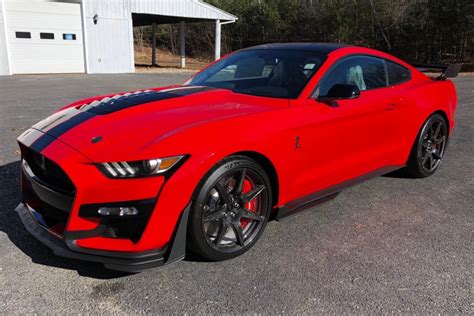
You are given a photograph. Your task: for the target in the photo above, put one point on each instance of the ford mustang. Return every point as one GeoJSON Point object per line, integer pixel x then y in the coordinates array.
{"type": "Point", "coordinates": [135, 180]}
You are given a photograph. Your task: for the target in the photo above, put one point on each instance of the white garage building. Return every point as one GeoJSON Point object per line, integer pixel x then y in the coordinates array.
{"type": "Point", "coordinates": [88, 36]}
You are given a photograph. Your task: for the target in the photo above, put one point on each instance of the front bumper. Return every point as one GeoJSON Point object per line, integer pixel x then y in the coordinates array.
{"type": "Point", "coordinates": [66, 190]}
{"type": "Point", "coordinates": [120, 261]}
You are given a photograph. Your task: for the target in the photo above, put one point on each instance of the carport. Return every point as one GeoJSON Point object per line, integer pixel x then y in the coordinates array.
{"type": "Point", "coordinates": [92, 36]}
{"type": "Point", "coordinates": [184, 13]}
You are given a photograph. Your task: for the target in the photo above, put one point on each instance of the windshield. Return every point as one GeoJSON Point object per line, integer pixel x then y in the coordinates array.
{"type": "Point", "coordinates": [269, 73]}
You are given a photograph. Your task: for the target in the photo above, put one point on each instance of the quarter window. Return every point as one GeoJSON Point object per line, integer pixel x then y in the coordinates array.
{"type": "Point", "coordinates": [363, 71]}
{"type": "Point", "coordinates": [396, 73]}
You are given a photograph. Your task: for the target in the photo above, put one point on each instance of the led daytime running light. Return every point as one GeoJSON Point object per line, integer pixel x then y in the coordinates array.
{"type": "Point", "coordinates": [131, 169]}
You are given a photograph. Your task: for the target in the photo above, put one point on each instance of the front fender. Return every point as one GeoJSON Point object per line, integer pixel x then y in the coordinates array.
{"type": "Point", "coordinates": [206, 146]}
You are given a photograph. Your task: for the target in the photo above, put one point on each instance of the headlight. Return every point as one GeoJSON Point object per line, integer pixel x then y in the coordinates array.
{"type": "Point", "coordinates": [142, 168]}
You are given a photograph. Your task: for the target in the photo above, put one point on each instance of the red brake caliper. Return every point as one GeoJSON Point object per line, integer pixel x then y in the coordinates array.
{"type": "Point", "coordinates": [251, 206]}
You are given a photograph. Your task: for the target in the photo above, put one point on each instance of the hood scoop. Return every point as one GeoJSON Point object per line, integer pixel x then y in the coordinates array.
{"type": "Point", "coordinates": [124, 101]}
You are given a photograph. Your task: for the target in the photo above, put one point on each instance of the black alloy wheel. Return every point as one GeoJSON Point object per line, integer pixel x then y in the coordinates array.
{"type": "Point", "coordinates": [230, 210]}
{"type": "Point", "coordinates": [429, 148]}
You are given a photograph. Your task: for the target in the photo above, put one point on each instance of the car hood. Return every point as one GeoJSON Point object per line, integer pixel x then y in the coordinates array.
{"type": "Point", "coordinates": [123, 126]}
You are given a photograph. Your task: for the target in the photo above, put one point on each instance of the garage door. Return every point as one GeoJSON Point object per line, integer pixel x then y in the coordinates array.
{"type": "Point", "coordinates": [44, 37]}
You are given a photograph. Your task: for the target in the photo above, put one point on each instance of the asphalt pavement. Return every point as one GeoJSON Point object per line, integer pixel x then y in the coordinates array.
{"type": "Point", "coordinates": [389, 245]}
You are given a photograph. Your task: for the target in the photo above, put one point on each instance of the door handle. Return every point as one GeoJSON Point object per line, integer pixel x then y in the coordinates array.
{"type": "Point", "coordinates": [391, 106]}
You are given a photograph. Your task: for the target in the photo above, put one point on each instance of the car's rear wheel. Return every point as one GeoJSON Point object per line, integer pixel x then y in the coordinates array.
{"type": "Point", "coordinates": [230, 209]}
{"type": "Point", "coordinates": [429, 148]}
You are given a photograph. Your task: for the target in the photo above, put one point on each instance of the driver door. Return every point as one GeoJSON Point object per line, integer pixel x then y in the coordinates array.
{"type": "Point", "coordinates": [343, 139]}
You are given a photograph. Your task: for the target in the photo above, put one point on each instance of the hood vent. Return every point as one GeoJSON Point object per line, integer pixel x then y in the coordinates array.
{"type": "Point", "coordinates": [124, 101]}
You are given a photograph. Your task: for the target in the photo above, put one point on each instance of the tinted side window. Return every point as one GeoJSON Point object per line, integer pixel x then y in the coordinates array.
{"type": "Point", "coordinates": [363, 71]}
{"type": "Point", "coordinates": [397, 73]}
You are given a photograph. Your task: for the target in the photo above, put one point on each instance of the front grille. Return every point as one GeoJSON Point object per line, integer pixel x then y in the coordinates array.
{"type": "Point", "coordinates": [46, 190]}
{"type": "Point", "coordinates": [48, 172]}
{"type": "Point", "coordinates": [50, 217]}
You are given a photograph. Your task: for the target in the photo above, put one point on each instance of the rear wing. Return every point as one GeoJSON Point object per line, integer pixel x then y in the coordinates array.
{"type": "Point", "coordinates": [447, 71]}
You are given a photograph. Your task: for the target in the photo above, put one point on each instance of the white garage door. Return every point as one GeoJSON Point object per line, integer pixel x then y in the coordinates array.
{"type": "Point", "coordinates": [44, 37]}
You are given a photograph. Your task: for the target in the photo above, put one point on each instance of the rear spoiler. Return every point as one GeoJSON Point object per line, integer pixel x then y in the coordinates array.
{"type": "Point", "coordinates": [447, 71]}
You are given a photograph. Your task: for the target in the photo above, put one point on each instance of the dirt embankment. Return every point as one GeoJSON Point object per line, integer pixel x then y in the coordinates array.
{"type": "Point", "coordinates": [167, 62]}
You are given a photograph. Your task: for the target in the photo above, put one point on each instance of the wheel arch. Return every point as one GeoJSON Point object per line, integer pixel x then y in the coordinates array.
{"type": "Point", "coordinates": [445, 117]}
{"type": "Point", "coordinates": [439, 112]}
{"type": "Point", "coordinates": [269, 168]}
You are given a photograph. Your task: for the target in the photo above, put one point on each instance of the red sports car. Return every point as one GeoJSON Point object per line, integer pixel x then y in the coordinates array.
{"type": "Point", "coordinates": [133, 180]}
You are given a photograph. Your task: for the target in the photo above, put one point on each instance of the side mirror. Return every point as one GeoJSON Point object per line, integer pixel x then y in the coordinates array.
{"type": "Point", "coordinates": [341, 92]}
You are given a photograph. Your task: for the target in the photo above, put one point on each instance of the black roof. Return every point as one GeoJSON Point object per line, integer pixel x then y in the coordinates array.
{"type": "Point", "coordinates": [322, 48]}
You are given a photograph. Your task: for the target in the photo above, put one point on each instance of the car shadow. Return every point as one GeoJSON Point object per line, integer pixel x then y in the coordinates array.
{"type": "Point", "coordinates": [12, 226]}
{"type": "Point", "coordinates": [399, 174]}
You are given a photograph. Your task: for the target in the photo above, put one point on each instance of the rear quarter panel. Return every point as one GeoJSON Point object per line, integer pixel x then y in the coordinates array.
{"type": "Point", "coordinates": [422, 98]}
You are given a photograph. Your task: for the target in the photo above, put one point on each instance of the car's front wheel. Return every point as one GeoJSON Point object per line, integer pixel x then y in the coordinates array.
{"type": "Point", "coordinates": [429, 148]}
{"type": "Point", "coordinates": [230, 209]}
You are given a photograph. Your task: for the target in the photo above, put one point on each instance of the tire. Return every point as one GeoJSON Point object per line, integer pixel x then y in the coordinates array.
{"type": "Point", "coordinates": [429, 148]}
{"type": "Point", "coordinates": [230, 209]}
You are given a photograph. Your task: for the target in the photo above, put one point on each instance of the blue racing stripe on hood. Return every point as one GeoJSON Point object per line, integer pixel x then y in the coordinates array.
{"type": "Point", "coordinates": [61, 124]}
{"type": "Point", "coordinates": [42, 142]}
{"type": "Point", "coordinates": [120, 102]}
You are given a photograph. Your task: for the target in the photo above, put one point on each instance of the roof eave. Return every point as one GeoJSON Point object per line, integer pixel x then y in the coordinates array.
{"type": "Point", "coordinates": [229, 17]}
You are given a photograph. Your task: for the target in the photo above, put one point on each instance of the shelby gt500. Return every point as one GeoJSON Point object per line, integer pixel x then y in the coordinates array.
{"type": "Point", "coordinates": [135, 179]}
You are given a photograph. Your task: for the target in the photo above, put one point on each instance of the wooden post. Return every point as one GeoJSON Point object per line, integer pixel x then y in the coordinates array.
{"type": "Point", "coordinates": [183, 44]}
{"type": "Point", "coordinates": [153, 50]}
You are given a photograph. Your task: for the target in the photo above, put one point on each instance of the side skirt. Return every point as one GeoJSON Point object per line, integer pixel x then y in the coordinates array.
{"type": "Point", "coordinates": [328, 194]}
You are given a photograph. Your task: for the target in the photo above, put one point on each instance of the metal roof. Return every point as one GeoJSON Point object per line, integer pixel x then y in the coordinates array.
{"type": "Point", "coordinates": [323, 48]}
{"type": "Point", "coordinates": [179, 10]}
